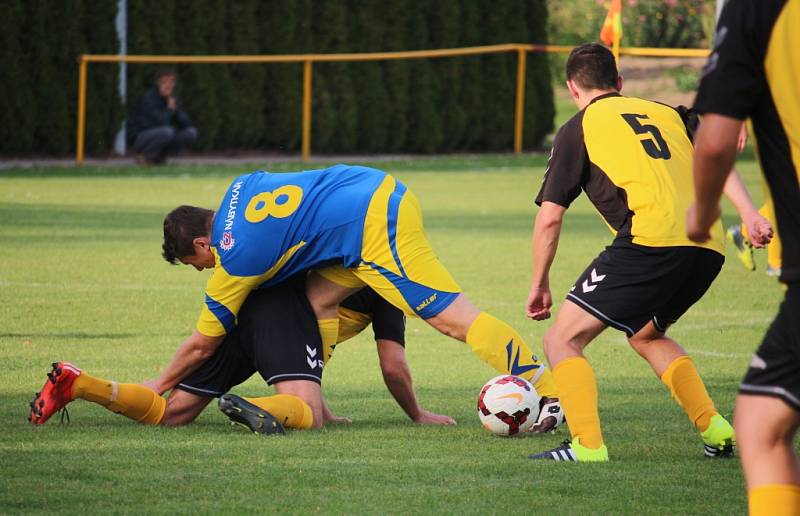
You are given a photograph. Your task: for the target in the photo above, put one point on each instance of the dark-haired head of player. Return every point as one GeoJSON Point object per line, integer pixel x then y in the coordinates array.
{"type": "Point", "coordinates": [187, 237]}
{"type": "Point", "coordinates": [591, 72]}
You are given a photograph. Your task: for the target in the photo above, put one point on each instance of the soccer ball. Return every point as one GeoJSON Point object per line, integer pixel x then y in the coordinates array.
{"type": "Point", "coordinates": [508, 405]}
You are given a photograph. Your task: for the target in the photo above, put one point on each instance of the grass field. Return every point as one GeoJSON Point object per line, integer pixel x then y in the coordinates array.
{"type": "Point", "coordinates": [81, 279]}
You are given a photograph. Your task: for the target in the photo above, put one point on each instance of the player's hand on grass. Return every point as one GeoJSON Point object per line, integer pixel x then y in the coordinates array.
{"type": "Point", "coordinates": [698, 224]}
{"type": "Point", "coordinates": [339, 420]}
{"type": "Point", "coordinates": [429, 418]}
{"type": "Point", "coordinates": [539, 303]}
{"type": "Point", "coordinates": [759, 230]}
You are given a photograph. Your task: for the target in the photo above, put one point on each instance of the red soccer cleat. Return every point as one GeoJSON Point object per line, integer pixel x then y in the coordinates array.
{"type": "Point", "coordinates": [56, 393]}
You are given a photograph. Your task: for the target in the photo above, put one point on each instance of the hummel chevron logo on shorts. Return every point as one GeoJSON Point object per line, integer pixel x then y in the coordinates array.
{"type": "Point", "coordinates": [312, 363]}
{"type": "Point", "coordinates": [588, 286]}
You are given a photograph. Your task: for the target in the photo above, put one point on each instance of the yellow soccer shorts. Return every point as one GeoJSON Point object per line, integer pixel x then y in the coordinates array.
{"type": "Point", "coordinates": [396, 259]}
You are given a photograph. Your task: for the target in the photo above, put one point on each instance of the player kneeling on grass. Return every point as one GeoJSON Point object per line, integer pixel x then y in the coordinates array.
{"type": "Point", "coordinates": [277, 337]}
{"type": "Point", "coordinates": [633, 158]}
{"type": "Point", "coordinates": [358, 227]}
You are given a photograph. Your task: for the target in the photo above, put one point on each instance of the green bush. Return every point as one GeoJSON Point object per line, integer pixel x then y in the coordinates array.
{"type": "Point", "coordinates": [417, 106]}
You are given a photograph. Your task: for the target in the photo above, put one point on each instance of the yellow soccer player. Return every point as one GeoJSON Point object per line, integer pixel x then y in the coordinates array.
{"type": "Point", "coordinates": [632, 157]}
{"type": "Point", "coordinates": [360, 227]}
{"type": "Point", "coordinates": [277, 337]}
{"type": "Point", "coordinates": [754, 72]}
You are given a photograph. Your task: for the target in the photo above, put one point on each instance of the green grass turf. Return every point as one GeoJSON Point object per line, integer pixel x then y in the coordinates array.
{"type": "Point", "coordinates": [81, 279]}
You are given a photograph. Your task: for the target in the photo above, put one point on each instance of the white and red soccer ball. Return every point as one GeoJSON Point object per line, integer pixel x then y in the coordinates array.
{"type": "Point", "coordinates": [508, 405]}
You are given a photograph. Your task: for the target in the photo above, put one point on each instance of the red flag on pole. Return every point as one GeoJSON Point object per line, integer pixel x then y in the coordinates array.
{"type": "Point", "coordinates": [611, 32]}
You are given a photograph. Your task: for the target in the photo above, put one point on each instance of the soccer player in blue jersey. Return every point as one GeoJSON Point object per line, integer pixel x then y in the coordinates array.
{"type": "Point", "coordinates": [354, 226]}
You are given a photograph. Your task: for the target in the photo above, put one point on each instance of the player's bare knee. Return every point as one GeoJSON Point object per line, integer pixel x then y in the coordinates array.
{"type": "Point", "coordinates": [556, 342]}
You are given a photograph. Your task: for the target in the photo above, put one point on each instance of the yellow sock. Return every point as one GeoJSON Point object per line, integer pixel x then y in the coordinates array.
{"type": "Point", "coordinates": [132, 400]}
{"type": "Point", "coordinates": [577, 390]}
{"type": "Point", "coordinates": [329, 331]}
{"type": "Point", "coordinates": [689, 391]}
{"type": "Point", "coordinates": [289, 410]}
{"type": "Point", "coordinates": [774, 500]}
{"type": "Point", "coordinates": [500, 346]}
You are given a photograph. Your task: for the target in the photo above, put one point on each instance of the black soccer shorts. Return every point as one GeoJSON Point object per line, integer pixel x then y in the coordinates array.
{"type": "Point", "coordinates": [775, 367]}
{"type": "Point", "coordinates": [276, 335]}
{"type": "Point", "coordinates": [629, 285]}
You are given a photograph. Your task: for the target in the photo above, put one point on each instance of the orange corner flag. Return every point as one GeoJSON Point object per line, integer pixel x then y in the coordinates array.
{"type": "Point", "coordinates": [612, 26]}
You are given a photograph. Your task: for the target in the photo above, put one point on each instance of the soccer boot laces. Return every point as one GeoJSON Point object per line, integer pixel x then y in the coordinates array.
{"type": "Point", "coordinates": [55, 394]}
{"type": "Point", "coordinates": [744, 250]}
{"type": "Point", "coordinates": [570, 451]}
{"type": "Point", "coordinates": [243, 413]}
{"type": "Point", "coordinates": [719, 439]}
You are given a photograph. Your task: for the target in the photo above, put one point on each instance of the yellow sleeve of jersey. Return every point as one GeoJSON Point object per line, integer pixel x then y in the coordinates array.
{"type": "Point", "coordinates": [225, 295]}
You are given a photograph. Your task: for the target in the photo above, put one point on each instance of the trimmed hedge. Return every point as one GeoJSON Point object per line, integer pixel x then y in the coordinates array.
{"type": "Point", "coordinates": [415, 106]}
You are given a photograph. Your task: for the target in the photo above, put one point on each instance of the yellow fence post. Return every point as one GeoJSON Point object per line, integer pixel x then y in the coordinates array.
{"type": "Point", "coordinates": [309, 59]}
{"type": "Point", "coordinates": [306, 143]}
{"type": "Point", "coordinates": [519, 111]}
{"type": "Point", "coordinates": [82, 64]}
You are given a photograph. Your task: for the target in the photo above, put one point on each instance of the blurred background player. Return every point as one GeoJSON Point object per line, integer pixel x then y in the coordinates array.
{"type": "Point", "coordinates": [754, 72]}
{"type": "Point", "coordinates": [751, 221]}
{"type": "Point", "coordinates": [277, 337]}
{"type": "Point", "coordinates": [159, 127]}
{"type": "Point", "coordinates": [632, 157]}
{"type": "Point", "coordinates": [364, 227]}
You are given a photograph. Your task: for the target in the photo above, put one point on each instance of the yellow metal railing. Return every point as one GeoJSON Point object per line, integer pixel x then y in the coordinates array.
{"type": "Point", "coordinates": [309, 59]}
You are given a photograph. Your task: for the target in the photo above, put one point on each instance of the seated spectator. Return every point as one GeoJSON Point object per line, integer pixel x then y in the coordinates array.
{"type": "Point", "coordinates": [159, 127]}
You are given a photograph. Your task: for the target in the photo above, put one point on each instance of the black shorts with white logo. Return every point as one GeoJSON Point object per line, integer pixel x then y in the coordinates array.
{"type": "Point", "coordinates": [629, 285]}
{"type": "Point", "coordinates": [276, 335]}
{"type": "Point", "coordinates": [775, 368]}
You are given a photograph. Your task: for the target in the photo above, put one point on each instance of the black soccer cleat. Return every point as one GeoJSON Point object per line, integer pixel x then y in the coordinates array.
{"type": "Point", "coordinates": [243, 413]}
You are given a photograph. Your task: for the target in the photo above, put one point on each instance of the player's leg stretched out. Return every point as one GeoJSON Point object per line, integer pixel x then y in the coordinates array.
{"type": "Point", "coordinates": [399, 264]}
{"type": "Point", "coordinates": [67, 383]}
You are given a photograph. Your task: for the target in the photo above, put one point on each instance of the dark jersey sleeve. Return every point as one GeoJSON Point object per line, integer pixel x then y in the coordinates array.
{"type": "Point", "coordinates": [568, 166]}
{"type": "Point", "coordinates": [388, 321]}
{"type": "Point", "coordinates": [733, 79]}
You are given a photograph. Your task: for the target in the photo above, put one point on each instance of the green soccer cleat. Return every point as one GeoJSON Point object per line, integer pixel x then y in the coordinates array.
{"type": "Point", "coordinates": [744, 250]}
{"type": "Point", "coordinates": [573, 452]}
{"type": "Point", "coordinates": [243, 413]}
{"type": "Point", "coordinates": [719, 439]}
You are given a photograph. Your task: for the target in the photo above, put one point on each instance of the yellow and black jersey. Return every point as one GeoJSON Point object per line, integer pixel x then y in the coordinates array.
{"type": "Point", "coordinates": [633, 158]}
{"type": "Point", "coordinates": [365, 307]}
{"type": "Point", "coordinates": [754, 72]}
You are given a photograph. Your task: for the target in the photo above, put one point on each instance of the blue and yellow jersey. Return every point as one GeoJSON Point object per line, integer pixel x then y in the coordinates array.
{"type": "Point", "coordinates": [272, 226]}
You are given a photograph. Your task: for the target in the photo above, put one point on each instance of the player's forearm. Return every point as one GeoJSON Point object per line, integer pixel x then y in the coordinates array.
{"type": "Point", "coordinates": [188, 357]}
{"type": "Point", "coordinates": [400, 385]}
{"type": "Point", "coordinates": [737, 193]}
{"type": "Point", "coordinates": [715, 152]}
{"type": "Point", "coordinates": [546, 232]}
{"type": "Point", "coordinates": [397, 376]}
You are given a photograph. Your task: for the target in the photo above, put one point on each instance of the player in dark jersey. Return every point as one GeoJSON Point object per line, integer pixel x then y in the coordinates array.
{"type": "Point", "coordinates": [754, 72]}
{"type": "Point", "coordinates": [277, 337]}
{"type": "Point", "coordinates": [632, 157]}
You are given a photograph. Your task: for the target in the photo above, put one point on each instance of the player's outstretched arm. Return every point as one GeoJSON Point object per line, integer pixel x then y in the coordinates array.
{"type": "Point", "coordinates": [190, 355]}
{"type": "Point", "coordinates": [546, 232]}
{"type": "Point", "coordinates": [714, 154]}
{"type": "Point", "coordinates": [397, 376]}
